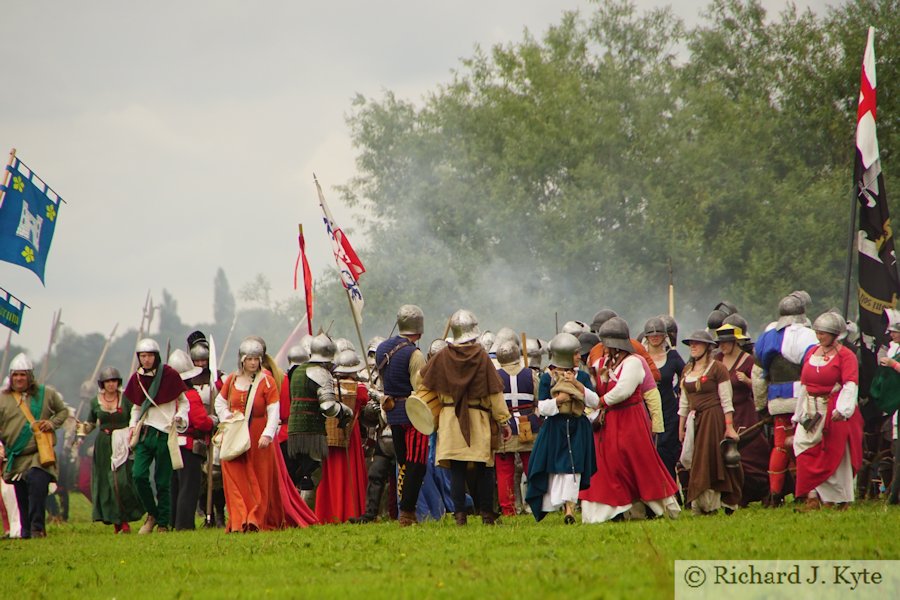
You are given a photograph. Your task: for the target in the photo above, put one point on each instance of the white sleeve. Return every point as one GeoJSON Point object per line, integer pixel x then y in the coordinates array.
{"type": "Point", "coordinates": [135, 416]}
{"type": "Point", "coordinates": [591, 398]}
{"type": "Point", "coordinates": [272, 420]}
{"type": "Point", "coordinates": [846, 400]}
{"type": "Point", "coordinates": [683, 405]}
{"type": "Point", "coordinates": [222, 408]}
{"type": "Point", "coordinates": [725, 396]}
{"type": "Point", "coordinates": [800, 407]}
{"type": "Point", "coordinates": [548, 407]}
{"type": "Point", "coordinates": [182, 407]}
{"type": "Point", "coordinates": [759, 386]}
{"type": "Point", "coordinates": [630, 377]}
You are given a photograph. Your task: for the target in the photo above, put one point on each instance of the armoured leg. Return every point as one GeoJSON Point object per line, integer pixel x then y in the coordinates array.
{"type": "Point", "coordinates": [379, 474]}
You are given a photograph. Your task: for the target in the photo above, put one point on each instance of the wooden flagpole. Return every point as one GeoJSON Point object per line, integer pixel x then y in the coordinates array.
{"type": "Point", "coordinates": [362, 344]}
{"type": "Point", "coordinates": [851, 249]}
{"type": "Point", "coordinates": [6, 352]}
{"type": "Point", "coordinates": [7, 174]}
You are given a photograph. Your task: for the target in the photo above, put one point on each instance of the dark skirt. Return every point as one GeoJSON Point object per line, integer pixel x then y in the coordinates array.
{"type": "Point", "coordinates": [551, 454]}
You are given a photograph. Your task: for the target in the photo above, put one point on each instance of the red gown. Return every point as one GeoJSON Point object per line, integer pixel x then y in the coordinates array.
{"type": "Point", "coordinates": [628, 467]}
{"type": "Point", "coordinates": [342, 490]}
{"type": "Point", "coordinates": [816, 464]}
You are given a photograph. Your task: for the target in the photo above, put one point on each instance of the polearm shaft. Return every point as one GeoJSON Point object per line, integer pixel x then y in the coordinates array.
{"type": "Point", "coordinates": [148, 307]}
{"type": "Point", "coordinates": [851, 249]}
{"type": "Point", "coordinates": [6, 353]}
{"type": "Point", "coordinates": [54, 329]}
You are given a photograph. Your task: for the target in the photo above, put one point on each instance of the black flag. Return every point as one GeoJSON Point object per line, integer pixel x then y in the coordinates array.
{"type": "Point", "coordinates": [879, 285]}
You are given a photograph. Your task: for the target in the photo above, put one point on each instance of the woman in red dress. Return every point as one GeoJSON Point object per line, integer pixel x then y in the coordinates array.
{"type": "Point", "coordinates": [828, 441]}
{"type": "Point", "coordinates": [341, 494]}
{"type": "Point", "coordinates": [252, 481]}
{"type": "Point", "coordinates": [630, 474]}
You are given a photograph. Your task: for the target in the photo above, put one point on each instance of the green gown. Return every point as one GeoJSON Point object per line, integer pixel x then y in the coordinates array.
{"type": "Point", "coordinates": [114, 495]}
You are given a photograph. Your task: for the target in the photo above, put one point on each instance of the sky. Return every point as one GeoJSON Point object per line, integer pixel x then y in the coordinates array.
{"type": "Point", "coordinates": [183, 136]}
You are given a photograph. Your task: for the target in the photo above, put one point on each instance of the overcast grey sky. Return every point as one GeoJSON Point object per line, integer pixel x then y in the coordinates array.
{"type": "Point", "coordinates": [184, 135]}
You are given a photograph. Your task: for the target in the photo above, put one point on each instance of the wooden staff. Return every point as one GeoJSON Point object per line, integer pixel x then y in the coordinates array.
{"type": "Point", "coordinates": [54, 329]}
{"type": "Point", "coordinates": [7, 174]}
{"type": "Point", "coordinates": [671, 290]}
{"type": "Point", "coordinates": [148, 308]}
{"type": "Point", "coordinates": [93, 377]}
{"type": "Point", "coordinates": [5, 362]}
{"type": "Point", "coordinates": [746, 434]}
{"type": "Point", "coordinates": [524, 350]}
{"type": "Point", "coordinates": [213, 376]}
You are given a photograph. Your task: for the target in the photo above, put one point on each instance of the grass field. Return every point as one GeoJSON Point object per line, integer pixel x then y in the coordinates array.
{"type": "Point", "coordinates": [519, 559]}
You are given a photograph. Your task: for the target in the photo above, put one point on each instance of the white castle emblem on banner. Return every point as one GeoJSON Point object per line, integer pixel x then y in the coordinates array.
{"type": "Point", "coordinates": [30, 227]}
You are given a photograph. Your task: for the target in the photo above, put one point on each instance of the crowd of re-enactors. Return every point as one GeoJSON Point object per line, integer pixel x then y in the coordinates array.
{"type": "Point", "coordinates": [604, 422]}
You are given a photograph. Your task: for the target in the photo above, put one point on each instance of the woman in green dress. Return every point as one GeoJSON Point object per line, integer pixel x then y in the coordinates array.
{"type": "Point", "coordinates": [112, 489]}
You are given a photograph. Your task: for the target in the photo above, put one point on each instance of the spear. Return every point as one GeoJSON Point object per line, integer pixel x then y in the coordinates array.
{"type": "Point", "coordinates": [230, 332]}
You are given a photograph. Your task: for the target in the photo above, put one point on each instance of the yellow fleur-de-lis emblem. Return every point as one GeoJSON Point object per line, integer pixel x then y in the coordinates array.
{"type": "Point", "coordinates": [18, 183]}
{"type": "Point", "coordinates": [51, 212]}
{"type": "Point", "coordinates": [28, 254]}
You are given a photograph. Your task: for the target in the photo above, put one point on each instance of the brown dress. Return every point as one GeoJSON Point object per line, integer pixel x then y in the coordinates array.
{"type": "Point", "coordinates": [755, 451]}
{"type": "Point", "coordinates": [708, 470]}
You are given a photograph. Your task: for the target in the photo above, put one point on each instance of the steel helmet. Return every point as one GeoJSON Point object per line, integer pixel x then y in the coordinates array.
{"type": "Point", "coordinates": [614, 334]}
{"type": "Point", "coordinates": [410, 320]}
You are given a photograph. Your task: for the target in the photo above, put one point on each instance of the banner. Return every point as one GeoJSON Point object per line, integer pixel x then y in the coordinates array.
{"type": "Point", "coordinates": [879, 284]}
{"type": "Point", "coordinates": [348, 263]}
{"type": "Point", "coordinates": [11, 309]}
{"type": "Point", "coordinates": [307, 279]}
{"type": "Point", "coordinates": [28, 213]}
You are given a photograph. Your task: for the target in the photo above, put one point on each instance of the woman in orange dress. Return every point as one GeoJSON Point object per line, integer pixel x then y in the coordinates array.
{"type": "Point", "coordinates": [251, 481]}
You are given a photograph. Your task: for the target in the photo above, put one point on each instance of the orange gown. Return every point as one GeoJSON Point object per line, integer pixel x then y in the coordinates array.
{"type": "Point", "coordinates": [252, 482]}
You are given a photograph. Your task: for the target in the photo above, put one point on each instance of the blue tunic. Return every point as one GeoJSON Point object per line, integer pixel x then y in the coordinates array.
{"type": "Point", "coordinates": [565, 444]}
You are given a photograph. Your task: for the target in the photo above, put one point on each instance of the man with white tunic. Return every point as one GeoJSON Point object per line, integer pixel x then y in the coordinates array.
{"type": "Point", "coordinates": [158, 390]}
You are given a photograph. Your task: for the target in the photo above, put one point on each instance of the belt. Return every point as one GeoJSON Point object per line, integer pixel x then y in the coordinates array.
{"type": "Point", "coordinates": [472, 406]}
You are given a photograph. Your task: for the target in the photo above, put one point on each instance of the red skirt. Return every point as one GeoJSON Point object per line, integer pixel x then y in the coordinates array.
{"type": "Point", "coordinates": [628, 466]}
{"type": "Point", "coordinates": [817, 464]}
{"type": "Point", "coordinates": [342, 490]}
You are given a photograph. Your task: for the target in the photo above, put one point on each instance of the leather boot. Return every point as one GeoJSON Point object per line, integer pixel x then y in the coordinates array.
{"type": "Point", "coordinates": [812, 503]}
{"type": "Point", "coordinates": [488, 518]}
{"type": "Point", "coordinates": [374, 491]}
{"type": "Point", "coordinates": [461, 517]}
{"type": "Point", "coordinates": [407, 518]}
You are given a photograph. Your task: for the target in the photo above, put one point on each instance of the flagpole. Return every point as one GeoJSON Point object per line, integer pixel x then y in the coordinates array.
{"type": "Point", "coordinates": [362, 344]}
{"type": "Point", "coordinates": [6, 352]}
{"type": "Point", "coordinates": [851, 249]}
{"type": "Point", "coordinates": [7, 174]}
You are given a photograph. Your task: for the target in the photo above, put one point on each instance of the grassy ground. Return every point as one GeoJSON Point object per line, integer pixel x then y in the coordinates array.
{"type": "Point", "coordinates": [520, 559]}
